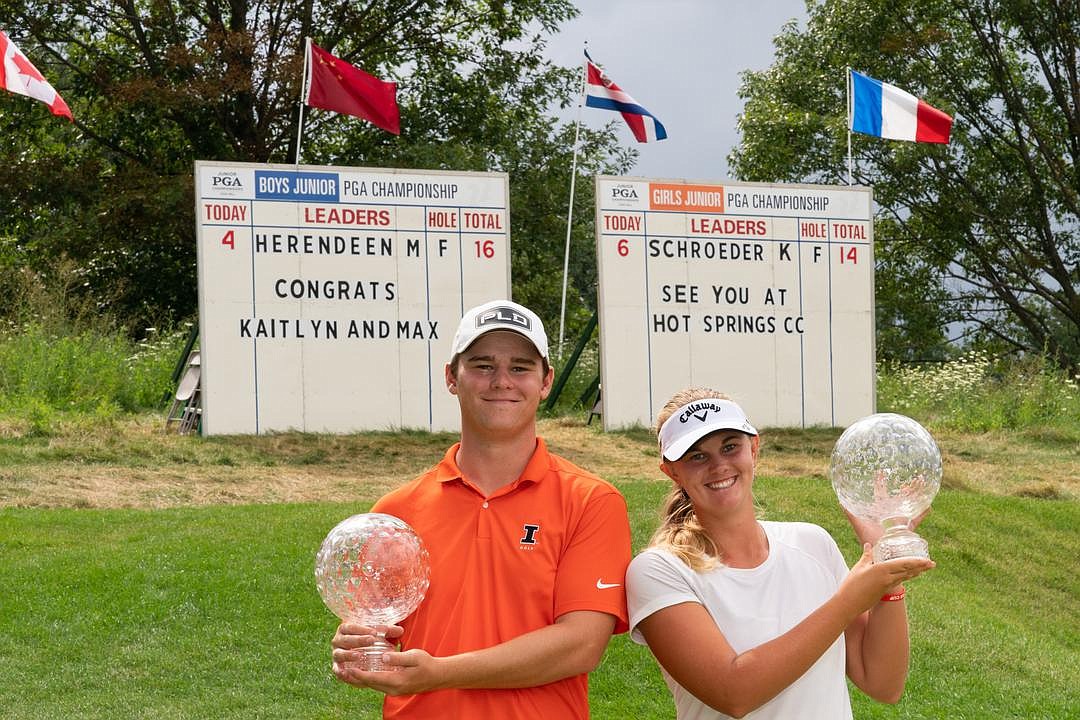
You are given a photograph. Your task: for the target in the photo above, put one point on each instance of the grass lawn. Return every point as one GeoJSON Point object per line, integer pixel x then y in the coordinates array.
{"type": "Point", "coordinates": [151, 576]}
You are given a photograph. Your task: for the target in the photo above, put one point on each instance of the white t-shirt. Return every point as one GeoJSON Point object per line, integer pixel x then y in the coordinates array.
{"type": "Point", "coordinates": [752, 606]}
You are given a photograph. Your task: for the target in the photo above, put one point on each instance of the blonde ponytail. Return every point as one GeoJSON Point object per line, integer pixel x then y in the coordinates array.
{"type": "Point", "coordinates": [682, 535]}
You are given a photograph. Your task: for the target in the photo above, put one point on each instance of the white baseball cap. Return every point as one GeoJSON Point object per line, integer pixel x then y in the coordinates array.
{"type": "Point", "coordinates": [499, 315]}
{"type": "Point", "coordinates": [697, 419]}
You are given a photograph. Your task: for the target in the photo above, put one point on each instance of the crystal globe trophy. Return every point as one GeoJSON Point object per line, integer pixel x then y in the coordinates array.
{"type": "Point", "coordinates": [887, 468]}
{"type": "Point", "coordinates": [372, 569]}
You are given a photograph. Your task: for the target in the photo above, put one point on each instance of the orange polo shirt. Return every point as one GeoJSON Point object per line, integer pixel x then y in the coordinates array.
{"type": "Point", "coordinates": [555, 540]}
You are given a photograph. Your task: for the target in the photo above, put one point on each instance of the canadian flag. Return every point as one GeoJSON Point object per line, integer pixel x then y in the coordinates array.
{"type": "Point", "coordinates": [18, 75]}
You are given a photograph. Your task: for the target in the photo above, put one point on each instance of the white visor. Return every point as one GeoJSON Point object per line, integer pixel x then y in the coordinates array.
{"type": "Point", "coordinates": [697, 419]}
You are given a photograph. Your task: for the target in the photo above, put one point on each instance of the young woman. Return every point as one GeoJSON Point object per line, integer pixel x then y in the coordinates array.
{"type": "Point", "coordinates": [755, 618]}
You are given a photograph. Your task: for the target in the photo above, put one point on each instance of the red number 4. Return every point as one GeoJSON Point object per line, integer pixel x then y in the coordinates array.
{"type": "Point", "coordinates": [228, 240]}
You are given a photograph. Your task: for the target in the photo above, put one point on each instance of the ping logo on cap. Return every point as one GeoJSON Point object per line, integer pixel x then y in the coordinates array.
{"type": "Point", "coordinates": [503, 315]}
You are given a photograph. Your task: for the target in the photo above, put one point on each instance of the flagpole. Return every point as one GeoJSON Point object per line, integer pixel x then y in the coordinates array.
{"type": "Point", "coordinates": [304, 80]}
{"type": "Point", "coordinates": [849, 110]}
{"type": "Point", "coordinates": [570, 211]}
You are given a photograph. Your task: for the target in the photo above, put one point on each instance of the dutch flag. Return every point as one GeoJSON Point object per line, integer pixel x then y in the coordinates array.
{"type": "Point", "coordinates": [886, 111]}
{"type": "Point", "coordinates": [602, 93]}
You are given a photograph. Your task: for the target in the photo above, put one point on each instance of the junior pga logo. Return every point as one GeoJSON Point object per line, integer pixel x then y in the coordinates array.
{"type": "Point", "coordinates": [626, 195]}
{"type": "Point", "coordinates": [226, 182]}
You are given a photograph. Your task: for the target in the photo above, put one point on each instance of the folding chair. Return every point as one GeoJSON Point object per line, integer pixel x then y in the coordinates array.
{"type": "Point", "coordinates": [186, 405]}
{"type": "Point", "coordinates": [596, 408]}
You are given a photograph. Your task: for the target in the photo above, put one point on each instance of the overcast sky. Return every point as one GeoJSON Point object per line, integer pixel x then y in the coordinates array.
{"type": "Point", "coordinates": [681, 60]}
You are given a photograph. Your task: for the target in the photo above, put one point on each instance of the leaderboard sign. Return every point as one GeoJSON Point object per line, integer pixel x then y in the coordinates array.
{"type": "Point", "coordinates": [328, 296]}
{"type": "Point", "coordinates": [765, 292]}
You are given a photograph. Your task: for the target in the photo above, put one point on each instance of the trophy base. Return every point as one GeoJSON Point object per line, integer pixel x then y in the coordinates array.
{"type": "Point", "coordinates": [899, 542]}
{"type": "Point", "coordinates": [371, 658]}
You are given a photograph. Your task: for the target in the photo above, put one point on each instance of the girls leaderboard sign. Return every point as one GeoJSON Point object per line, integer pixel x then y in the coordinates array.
{"type": "Point", "coordinates": [328, 296]}
{"type": "Point", "coordinates": [765, 292]}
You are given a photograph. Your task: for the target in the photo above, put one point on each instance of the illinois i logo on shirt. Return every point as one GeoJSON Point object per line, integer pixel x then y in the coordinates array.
{"type": "Point", "coordinates": [529, 536]}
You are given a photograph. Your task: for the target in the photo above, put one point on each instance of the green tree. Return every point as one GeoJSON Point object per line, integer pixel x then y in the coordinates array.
{"type": "Point", "coordinates": [157, 84]}
{"type": "Point", "coordinates": [985, 231]}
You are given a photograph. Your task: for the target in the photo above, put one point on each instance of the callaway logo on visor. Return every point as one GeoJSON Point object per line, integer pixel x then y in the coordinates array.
{"type": "Point", "coordinates": [695, 420]}
{"type": "Point", "coordinates": [699, 411]}
{"type": "Point", "coordinates": [503, 316]}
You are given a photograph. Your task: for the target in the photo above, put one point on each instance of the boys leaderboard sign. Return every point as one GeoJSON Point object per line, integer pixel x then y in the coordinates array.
{"type": "Point", "coordinates": [763, 291]}
{"type": "Point", "coordinates": [328, 296]}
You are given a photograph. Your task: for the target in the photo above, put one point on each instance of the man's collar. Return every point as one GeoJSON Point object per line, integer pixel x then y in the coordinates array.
{"type": "Point", "coordinates": [534, 471]}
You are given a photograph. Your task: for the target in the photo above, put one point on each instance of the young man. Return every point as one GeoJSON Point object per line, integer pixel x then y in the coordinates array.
{"type": "Point", "coordinates": [528, 551]}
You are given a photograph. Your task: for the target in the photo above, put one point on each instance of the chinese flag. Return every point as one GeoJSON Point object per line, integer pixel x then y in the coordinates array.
{"type": "Point", "coordinates": [336, 85]}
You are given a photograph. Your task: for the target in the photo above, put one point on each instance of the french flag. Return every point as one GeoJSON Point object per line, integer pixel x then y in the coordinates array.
{"type": "Point", "coordinates": [886, 111]}
{"type": "Point", "coordinates": [601, 92]}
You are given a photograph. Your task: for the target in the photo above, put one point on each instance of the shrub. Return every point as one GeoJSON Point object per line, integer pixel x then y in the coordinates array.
{"type": "Point", "coordinates": [61, 355]}
{"type": "Point", "coordinates": [975, 393]}
{"type": "Point", "coordinates": [85, 370]}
